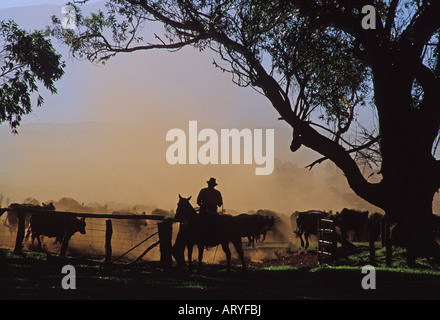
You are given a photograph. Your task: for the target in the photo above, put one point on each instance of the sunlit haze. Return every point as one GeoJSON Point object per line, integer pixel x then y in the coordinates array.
{"type": "Point", "coordinates": [102, 137]}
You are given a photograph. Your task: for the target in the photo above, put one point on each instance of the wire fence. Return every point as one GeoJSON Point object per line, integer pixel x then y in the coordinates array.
{"type": "Point", "coordinates": [127, 233]}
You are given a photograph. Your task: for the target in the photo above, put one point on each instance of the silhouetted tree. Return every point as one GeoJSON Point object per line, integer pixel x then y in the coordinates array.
{"type": "Point", "coordinates": [317, 65]}
{"type": "Point", "coordinates": [25, 59]}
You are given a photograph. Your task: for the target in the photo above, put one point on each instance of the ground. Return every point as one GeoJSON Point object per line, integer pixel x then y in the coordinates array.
{"type": "Point", "coordinates": [289, 274]}
{"type": "Point", "coordinates": [288, 257]}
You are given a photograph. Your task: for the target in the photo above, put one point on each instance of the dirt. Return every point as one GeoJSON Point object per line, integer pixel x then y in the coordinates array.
{"type": "Point", "coordinates": [290, 258]}
{"type": "Point", "coordinates": [294, 259]}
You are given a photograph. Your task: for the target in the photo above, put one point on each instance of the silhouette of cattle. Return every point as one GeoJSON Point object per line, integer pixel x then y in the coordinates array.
{"type": "Point", "coordinates": [307, 224]}
{"type": "Point", "coordinates": [132, 226]}
{"type": "Point", "coordinates": [358, 222]}
{"type": "Point", "coordinates": [280, 230]}
{"type": "Point", "coordinates": [59, 225]}
{"type": "Point", "coordinates": [254, 225]}
{"type": "Point", "coordinates": [11, 220]}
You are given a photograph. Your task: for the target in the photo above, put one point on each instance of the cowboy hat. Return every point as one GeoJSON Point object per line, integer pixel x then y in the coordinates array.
{"type": "Point", "coordinates": [212, 182]}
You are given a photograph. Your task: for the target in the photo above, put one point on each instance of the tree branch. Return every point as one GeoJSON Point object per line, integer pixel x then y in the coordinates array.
{"type": "Point", "coordinates": [333, 151]}
{"type": "Point", "coordinates": [356, 149]}
{"type": "Point", "coordinates": [425, 25]}
{"type": "Point", "coordinates": [187, 25]}
{"type": "Point", "coordinates": [390, 17]}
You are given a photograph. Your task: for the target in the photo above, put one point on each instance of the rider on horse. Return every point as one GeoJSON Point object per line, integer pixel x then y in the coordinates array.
{"type": "Point", "coordinates": [209, 198]}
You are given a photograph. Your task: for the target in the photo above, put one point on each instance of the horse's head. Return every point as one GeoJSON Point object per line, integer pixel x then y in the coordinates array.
{"type": "Point", "coordinates": [185, 210]}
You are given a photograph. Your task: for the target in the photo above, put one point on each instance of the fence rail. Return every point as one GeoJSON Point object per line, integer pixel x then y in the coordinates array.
{"type": "Point", "coordinates": [88, 215]}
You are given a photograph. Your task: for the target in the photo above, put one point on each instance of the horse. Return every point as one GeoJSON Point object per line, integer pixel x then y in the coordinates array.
{"type": "Point", "coordinates": [205, 231]}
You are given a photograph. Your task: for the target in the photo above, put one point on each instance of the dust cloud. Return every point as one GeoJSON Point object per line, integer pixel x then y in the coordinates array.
{"type": "Point", "coordinates": [102, 138]}
{"type": "Point", "coordinates": [115, 153]}
{"type": "Point", "coordinates": [121, 164]}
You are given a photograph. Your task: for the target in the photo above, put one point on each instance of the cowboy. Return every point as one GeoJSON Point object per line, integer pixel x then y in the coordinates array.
{"type": "Point", "coordinates": [209, 198]}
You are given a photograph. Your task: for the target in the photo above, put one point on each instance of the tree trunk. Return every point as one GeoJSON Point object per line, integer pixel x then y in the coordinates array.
{"type": "Point", "coordinates": [408, 167]}
{"type": "Point", "coordinates": [410, 186]}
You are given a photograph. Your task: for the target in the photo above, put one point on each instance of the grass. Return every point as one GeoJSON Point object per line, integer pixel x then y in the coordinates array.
{"type": "Point", "coordinates": [33, 276]}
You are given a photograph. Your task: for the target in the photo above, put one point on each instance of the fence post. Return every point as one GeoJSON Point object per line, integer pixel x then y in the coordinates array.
{"type": "Point", "coordinates": [20, 232]}
{"type": "Point", "coordinates": [371, 224]}
{"type": "Point", "coordinates": [108, 241]}
{"type": "Point", "coordinates": [165, 229]}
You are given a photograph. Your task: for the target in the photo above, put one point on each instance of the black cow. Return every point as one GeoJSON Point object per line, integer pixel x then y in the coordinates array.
{"type": "Point", "coordinates": [359, 222]}
{"type": "Point", "coordinates": [254, 225]}
{"type": "Point", "coordinates": [12, 218]}
{"type": "Point", "coordinates": [352, 220]}
{"type": "Point", "coordinates": [270, 224]}
{"type": "Point", "coordinates": [62, 226]}
{"type": "Point", "coordinates": [307, 223]}
{"type": "Point", "coordinates": [131, 226]}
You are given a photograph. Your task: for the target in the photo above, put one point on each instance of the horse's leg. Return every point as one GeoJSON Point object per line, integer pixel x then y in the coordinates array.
{"type": "Point", "coordinates": [201, 248]}
{"type": "Point", "coordinates": [225, 247]}
{"type": "Point", "coordinates": [238, 247]}
{"type": "Point", "coordinates": [179, 249]}
{"type": "Point", "coordinates": [249, 240]}
{"type": "Point", "coordinates": [190, 252]}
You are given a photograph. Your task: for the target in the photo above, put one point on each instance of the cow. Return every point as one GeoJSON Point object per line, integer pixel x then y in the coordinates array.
{"type": "Point", "coordinates": [307, 224]}
{"type": "Point", "coordinates": [62, 226]}
{"type": "Point", "coordinates": [352, 220]}
{"type": "Point", "coordinates": [359, 222]}
{"type": "Point", "coordinates": [131, 226]}
{"type": "Point", "coordinates": [280, 229]}
{"type": "Point", "coordinates": [270, 224]}
{"type": "Point", "coordinates": [11, 220]}
{"type": "Point", "coordinates": [254, 225]}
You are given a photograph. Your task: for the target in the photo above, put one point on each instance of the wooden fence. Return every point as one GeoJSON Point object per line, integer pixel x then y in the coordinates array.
{"type": "Point", "coordinates": [164, 231]}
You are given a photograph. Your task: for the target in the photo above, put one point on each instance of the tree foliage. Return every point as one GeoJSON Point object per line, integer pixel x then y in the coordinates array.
{"type": "Point", "coordinates": [25, 59]}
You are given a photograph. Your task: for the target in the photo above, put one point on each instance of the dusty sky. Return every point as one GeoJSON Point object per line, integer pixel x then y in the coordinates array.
{"type": "Point", "coordinates": [102, 137]}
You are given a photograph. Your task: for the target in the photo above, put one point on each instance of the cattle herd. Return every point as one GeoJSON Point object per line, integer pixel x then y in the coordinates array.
{"type": "Point", "coordinates": [353, 223]}
{"type": "Point", "coordinates": [358, 223]}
